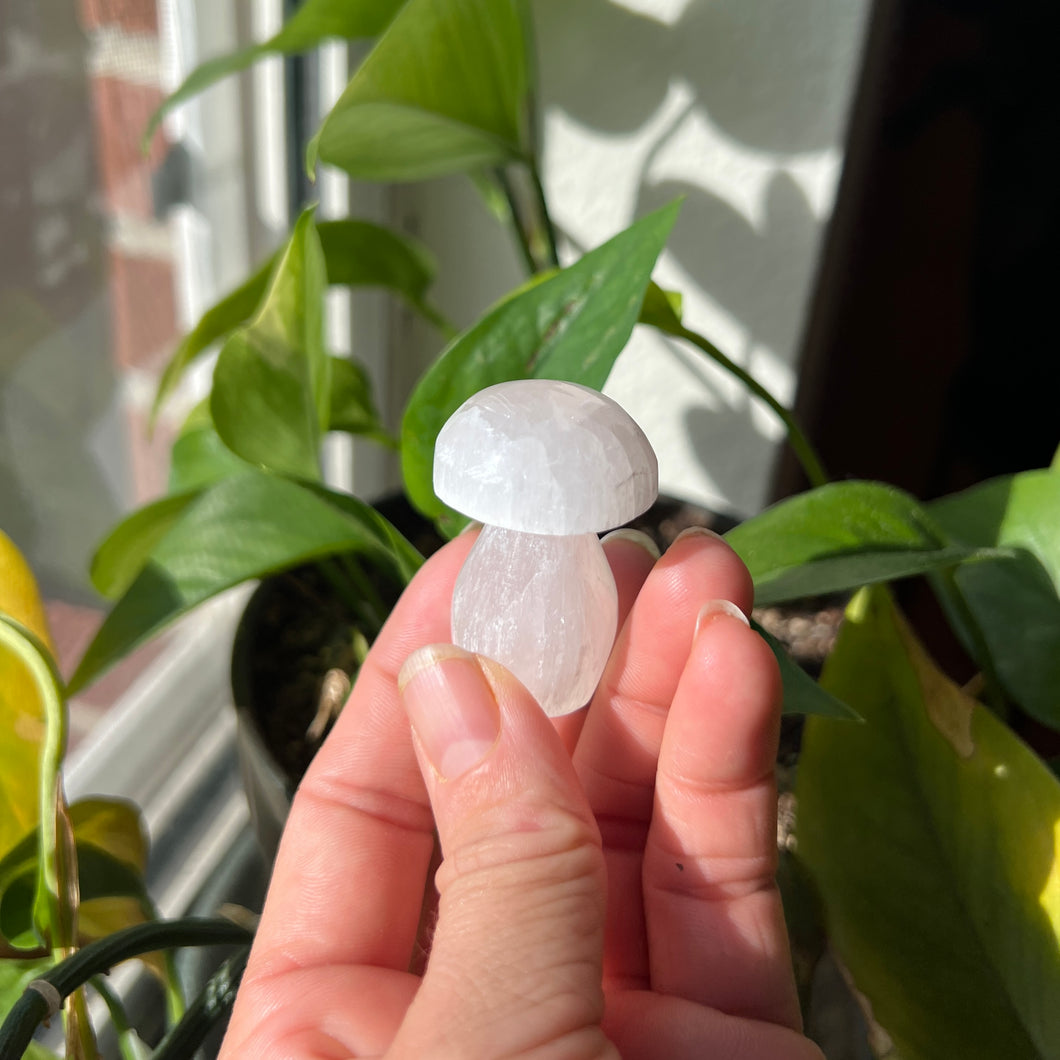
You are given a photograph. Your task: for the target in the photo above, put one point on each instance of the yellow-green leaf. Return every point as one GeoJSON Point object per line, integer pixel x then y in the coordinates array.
{"type": "Point", "coordinates": [113, 825]}
{"type": "Point", "coordinates": [1021, 511]}
{"type": "Point", "coordinates": [21, 705]}
{"type": "Point", "coordinates": [111, 857]}
{"type": "Point", "coordinates": [933, 836]}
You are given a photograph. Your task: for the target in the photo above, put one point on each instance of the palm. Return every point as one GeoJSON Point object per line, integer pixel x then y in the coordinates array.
{"type": "Point", "coordinates": [675, 758]}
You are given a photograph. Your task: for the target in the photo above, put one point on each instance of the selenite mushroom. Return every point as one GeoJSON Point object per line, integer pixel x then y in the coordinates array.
{"type": "Point", "coordinates": [544, 465]}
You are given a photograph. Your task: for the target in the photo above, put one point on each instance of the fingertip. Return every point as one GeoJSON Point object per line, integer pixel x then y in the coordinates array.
{"type": "Point", "coordinates": [713, 609]}
{"type": "Point", "coordinates": [635, 538]}
{"type": "Point", "coordinates": [631, 556]}
{"type": "Point", "coordinates": [729, 699]}
{"type": "Point", "coordinates": [451, 707]}
{"type": "Point", "coordinates": [699, 557]}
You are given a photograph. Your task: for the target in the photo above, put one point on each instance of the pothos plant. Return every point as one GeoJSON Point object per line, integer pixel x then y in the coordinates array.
{"type": "Point", "coordinates": [925, 850]}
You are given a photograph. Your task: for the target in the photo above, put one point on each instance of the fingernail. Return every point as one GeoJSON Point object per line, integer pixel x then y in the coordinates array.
{"type": "Point", "coordinates": [697, 531]}
{"type": "Point", "coordinates": [712, 608]}
{"type": "Point", "coordinates": [636, 537]}
{"type": "Point", "coordinates": [474, 524]}
{"type": "Point", "coordinates": [451, 708]}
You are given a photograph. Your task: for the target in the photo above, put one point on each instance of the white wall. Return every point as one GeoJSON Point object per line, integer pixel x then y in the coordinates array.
{"type": "Point", "coordinates": [740, 106]}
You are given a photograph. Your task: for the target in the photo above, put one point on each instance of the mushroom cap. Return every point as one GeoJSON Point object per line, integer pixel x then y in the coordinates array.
{"type": "Point", "coordinates": [545, 457]}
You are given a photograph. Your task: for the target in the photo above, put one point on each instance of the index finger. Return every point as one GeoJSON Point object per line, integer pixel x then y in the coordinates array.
{"type": "Point", "coordinates": [357, 844]}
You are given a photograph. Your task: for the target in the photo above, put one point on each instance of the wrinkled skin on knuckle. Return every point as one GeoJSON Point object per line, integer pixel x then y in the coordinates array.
{"type": "Point", "coordinates": [525, 897]}
{"type": "Point", "coordinates": [529, 842]}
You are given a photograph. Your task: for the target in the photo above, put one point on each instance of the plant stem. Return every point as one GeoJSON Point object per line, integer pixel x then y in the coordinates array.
{"type": "Point", "coordinates": [548, 256]}
{"type": "Point", "coordinates": [436, 317]}
{"type": "Point", "coordinates": [98, 957]}
{"type": "Point", "coordinates": [56, 898]}
{"type": "Point", "coordinates": [800, 444]}
{"type": "Point", "coordinates": [37, 660]}
{"type": "Point", "coordinates": [947, 591]}
{"type": "Point", "coordinates": [521, 235]}
{"type": "Point", "coordinates": [547, 227]}
{"type": "Point", "coordinates": [127, 1037]}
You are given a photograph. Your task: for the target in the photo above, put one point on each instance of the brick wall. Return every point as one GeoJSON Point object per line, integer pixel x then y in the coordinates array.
{"type": "Point", "coordinates": [124, 73]}
{"type": "Point", "coordinates": [123, 70]}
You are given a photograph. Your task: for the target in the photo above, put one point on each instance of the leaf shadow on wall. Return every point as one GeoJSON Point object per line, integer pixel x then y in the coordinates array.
{"type": "Point", "coordinates": [764, 76]}
{"type": "Point", "coordinates": [746, 269]}
{"type": "Point", "coordinates": [764, 72]}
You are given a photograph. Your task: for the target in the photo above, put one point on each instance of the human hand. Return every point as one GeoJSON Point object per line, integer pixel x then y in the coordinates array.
{"type": "Point", "coordinates": [607, 888]}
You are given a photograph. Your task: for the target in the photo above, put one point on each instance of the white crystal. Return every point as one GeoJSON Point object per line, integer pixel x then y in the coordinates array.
{"type": "Point", "coordinates": [545, 456]}
{"type": "Point", "coordinates": [542, 605]}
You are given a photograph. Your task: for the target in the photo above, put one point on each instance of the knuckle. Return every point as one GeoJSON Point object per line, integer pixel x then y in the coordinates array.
{"type": "Point", "coordinates": [525, 846]}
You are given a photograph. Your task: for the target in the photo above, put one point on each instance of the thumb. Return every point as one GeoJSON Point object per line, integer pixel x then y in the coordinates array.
{"type": "Point", "coordinates": [516, 959]}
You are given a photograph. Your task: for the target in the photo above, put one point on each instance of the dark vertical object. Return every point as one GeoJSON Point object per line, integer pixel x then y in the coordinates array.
{"type": "Point", "coordinates": [301, 81]}
{"type": "Point", "coordinates": [930, 357]}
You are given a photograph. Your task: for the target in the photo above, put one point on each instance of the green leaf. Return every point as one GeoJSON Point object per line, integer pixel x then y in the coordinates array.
{"type": "Point", "coordinates": [361, 254]}
{"type": "Point", "coordinates": [242, 528]}
{"type": "Point", "coordinates": [931, 833]}
{"type": "Point", "coordinates": [1016, 635]}
{"type": "Point", "coordinates": [1021, 511]}
{"type": "Point", "coordinates": [572, 326]}
{"type": "Point", "coordinates": [444, 90]}
{"type": "Point", "coordinates": [356, 253]}
{"type": "Point", "coordinates": [271, 386]}
{"type": "Point", "coordinates": [199, 458]}
{"type": "Point", "coordinates": [313, 22]}
{"type": "Point", "coordinates": [802, 694]}
{"type": "Point", "coordinates": [839, 537]}
{"type": "Point", "coordinates": [352, 407]}
{"type": "Point", "coordinates": [124, 552]}
{"type": "Point", "coordinates": [1006, 611]}
{"type": "Point", "coordinates": [662, 309]}
{"type": "Point", "coordinates": [234, 309]}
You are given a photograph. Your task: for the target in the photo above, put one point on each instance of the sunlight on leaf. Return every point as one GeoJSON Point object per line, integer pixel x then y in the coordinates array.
{"type": "Point", "coordinates": [840, 537]}
{"type": "Point", "coordinates": [570, 326]}
{"type": "Point", "coordinates": [933, 835]}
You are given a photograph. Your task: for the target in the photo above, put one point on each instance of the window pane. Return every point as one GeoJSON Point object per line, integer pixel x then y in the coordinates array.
{"type": "Point", "coordinates": [108, 255]}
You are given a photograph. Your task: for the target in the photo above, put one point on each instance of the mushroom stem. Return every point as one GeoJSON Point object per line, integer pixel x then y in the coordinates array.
{"type": "Point", "coordinates": [543, 605]}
